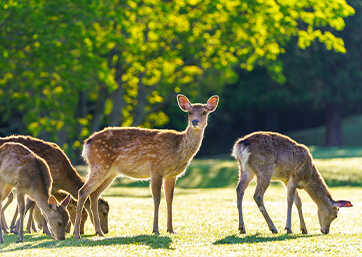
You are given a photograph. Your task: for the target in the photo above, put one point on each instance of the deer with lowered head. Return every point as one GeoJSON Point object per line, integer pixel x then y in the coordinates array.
{"type": "Point", "coordinates": [65, 176]}
{"type": "Point", "coordinates": [157, 154]}
{"type": "Point", "coordinates": [36, 216]}
{"type": "Point", "coordinates": [270, 155]}
{"type": "Point", "coordinates": [29, 174]}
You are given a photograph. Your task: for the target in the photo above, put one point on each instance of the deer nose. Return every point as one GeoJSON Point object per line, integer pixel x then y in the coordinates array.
{"type": "Point", "coordinates": [195, 122]}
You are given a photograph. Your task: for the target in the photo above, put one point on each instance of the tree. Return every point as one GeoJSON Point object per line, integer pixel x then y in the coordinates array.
{"type": "Point", "coordinates": [332, 81]}
{"type": "Point", "coordinates": [69, 67]}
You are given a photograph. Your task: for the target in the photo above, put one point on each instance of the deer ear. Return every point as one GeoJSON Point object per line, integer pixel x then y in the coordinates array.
{"type": "Point", "coordinates": [212, 103]}
{"type": "Point", "coordinates": [342, 203]}
{"type": "Point", "coordinates": [52, 202]}
{"type": "Point", "coordinates": [66, 201]}
{"type": "Point", "coordinates": [184, 103]}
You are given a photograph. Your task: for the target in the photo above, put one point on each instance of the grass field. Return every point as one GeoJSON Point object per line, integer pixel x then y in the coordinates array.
{"type": "Point", "coordinates": [205, 219]}
{"type": "Point", "coordinates": [206, 224]}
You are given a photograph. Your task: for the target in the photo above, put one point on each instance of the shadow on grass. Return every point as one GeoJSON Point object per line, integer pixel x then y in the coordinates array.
{"type": "Point", "coordinates": [153, 241]}
{"type": "Point", "coordinates": [257, 238]}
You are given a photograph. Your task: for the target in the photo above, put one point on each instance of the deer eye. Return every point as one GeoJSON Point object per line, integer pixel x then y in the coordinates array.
{"type": "Point", "coordinates": [59, 224]}
{"type": "Point", "coordinates": [204, 113]}
{"type": "Point", "coordinates": [190, 113]}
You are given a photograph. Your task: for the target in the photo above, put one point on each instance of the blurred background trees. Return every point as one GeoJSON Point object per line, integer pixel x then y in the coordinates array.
{"type": "Point", "coordinates": [69, 68]}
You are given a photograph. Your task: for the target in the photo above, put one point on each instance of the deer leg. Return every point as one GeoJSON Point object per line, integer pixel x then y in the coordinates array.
{"type": "Point", "coordinates": [245, 178]}
{"type": "Point", "coordinates": [169, 186]}
{"type": "Point", "coordinates": [4, 226]}
{"type": "Point", "coordinates": [82, 222]}
{"type": "Point", "coordinates": [21, 206]}
{"type": "Point", "coordinates": [1, 224]}
{"type": "Point", "coordinates": [263, 182]}
{"type": "Point", "coordinates": [13, 222]}
{"type": "Point", "coordinates": [94, 204]}
{"type": "Point", "coordinates": [87, 206]}
{"type": "Point", "coordinates": [33, 226]}
{"type": "Point", "coordinates": [8, 202]}
{"type": "Point", "coordinates": [291, 190]}
{"type": "Point", "coordinates": [298, 203]}
{"type": "Point", "coordinates": [94, 180]}
{"type": "Point", "coordinates": [29, 225]}
{"type": "Point", "coordinates": [156, 182]}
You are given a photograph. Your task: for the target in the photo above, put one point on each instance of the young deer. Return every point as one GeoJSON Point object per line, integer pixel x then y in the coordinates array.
{"type": "Point", "coordinates": [72, 209]}
{"type": "Point", "coordinates": [143, 153]}
{"type": "Point", "coordinates": [29, 174]}
{"type": "Point", "coordinates": [270, 155]}
{"type": "Point", "coordinates": [65, 177]}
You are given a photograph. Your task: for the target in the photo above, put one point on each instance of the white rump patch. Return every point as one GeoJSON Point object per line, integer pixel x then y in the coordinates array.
{"type": "Point", "coordinates": [241, 153]}
{"type": "Point", "coordinates": [85, 152]}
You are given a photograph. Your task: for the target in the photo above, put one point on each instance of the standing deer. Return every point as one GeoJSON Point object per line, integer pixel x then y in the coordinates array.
{"type": "Point", "coordinates": [270, 155]}
{"type": "Point", "coordinates": [65, 177]}
{"type": "Point", "coordinates": [29, 174]}
{"type": "Point", "coordinates": [140, 153]}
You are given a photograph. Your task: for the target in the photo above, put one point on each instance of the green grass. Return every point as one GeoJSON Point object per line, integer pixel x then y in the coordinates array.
{"type": "Point", "coordinates": [205, 219]}
{"type": "Point", "coordinates": [215, 173]}
{"type": "Point", "coordinates": [206, 224]}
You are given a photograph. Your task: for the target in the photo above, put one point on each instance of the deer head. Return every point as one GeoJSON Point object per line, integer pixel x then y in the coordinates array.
{"type": "Point", "coordinates": [197, 113]}
{"type": "Point", "coordinates": [58, 217]}
{"type": "Point", "coordinates": [327, 215]}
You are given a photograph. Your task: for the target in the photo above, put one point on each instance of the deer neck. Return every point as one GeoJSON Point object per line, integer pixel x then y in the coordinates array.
{"type": "Point", "coordinates": [318, 191]}
{"type": "Point", "coordinates": [191, 141]}
{"type": "Point", "coordinates": [42, 203]}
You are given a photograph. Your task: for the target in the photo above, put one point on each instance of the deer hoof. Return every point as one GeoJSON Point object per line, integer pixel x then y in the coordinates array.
{"type": "Point", "coordinates": [242, 231]}
{"type": "Point", "coordinates": [100, 233]}
{"type": "Point", "coordinates": [288, 230]}
{"type": "Point", "coordinates": [156, 232]}
{"type": "Point", "coordinates": [274, 230]}
{"type": "Point", "coordinates": [171, 231]}
{"type": "Point", "coordinates": [304, 231]}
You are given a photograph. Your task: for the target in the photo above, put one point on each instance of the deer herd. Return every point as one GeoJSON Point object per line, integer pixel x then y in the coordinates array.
{"type": "Point", "coordinates": [52, 191]}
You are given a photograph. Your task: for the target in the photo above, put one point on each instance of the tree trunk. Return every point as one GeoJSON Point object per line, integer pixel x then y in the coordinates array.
{"type": "Point", "coordinates": [334, 135]}
{"type": "Point", "coordinates": [118, 104]}
{"type": "Point", "coordinates": [97, 120]}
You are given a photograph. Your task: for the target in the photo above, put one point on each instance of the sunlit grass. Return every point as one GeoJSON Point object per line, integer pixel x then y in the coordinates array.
{"type": "Point", "coordinates": [206, 224]}
{"type": "Point", "coordinates": [224, 173]}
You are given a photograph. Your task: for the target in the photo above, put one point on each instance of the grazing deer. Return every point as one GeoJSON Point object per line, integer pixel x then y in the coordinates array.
{"type": "Point", "coordinates": [72, 209]}
{"type": "Point", "coordinates": [29, 174]}
{"type": "Point", "coordinates": [143, 153]}
{"type": "Point", "coordinates": [270, 155]}
{"type": "Point", "coordinates": [65, 177]}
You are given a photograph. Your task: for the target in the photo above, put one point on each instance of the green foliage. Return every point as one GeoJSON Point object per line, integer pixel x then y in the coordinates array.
{"type": "Point", "coordinates": [206, 224]}
{"type": "Point", "coordinates": [68, 67]}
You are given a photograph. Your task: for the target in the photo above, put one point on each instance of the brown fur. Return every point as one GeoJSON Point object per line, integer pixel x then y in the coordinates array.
{"type": "Point", "coordinates": [65, 177]}
{"type": "Point", "coordinates": [29, 174]}
{"type": "Point", "coordinates": [159, 155]}
{"type": "Point", "coordinates": [270, 155]}
{"type": "Point", "coordinates": [72, 209]}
